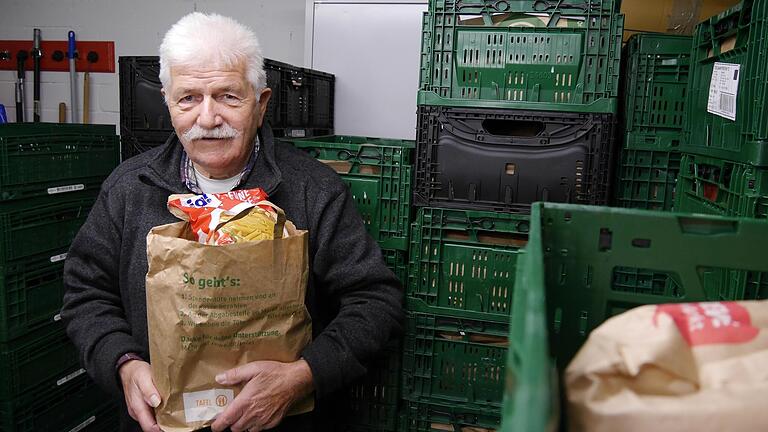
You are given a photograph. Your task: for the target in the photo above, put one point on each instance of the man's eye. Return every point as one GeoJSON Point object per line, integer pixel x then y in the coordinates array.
{"type": "Point", "coordinates": [230, 97]}
{"type": "Point", "coordinates": [188, 98]}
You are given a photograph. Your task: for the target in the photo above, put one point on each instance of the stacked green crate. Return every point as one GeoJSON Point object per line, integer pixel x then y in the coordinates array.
{"type": "Point", "coordinates": [458, 301]}
{"type": "Point", "coordinates": [568, 284]}
{"type": "Point", "coordinates": [549, 56]}
{"type": "Point", "coordinates": [378, 173]}
{"type": "Point", "coordinates": [528, 90]}
{"type": "Point", "coordinates": [726, 154]}
{"type": "Point", "coordinates": [724, 167]}
{"type": "Point", "coordinates": [655, 80]}
{"type": "Point", "coordinates": [50, 176]}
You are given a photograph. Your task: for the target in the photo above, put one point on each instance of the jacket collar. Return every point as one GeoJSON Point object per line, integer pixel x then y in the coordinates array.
{"type": "Point", "coordinates": [163, 171]}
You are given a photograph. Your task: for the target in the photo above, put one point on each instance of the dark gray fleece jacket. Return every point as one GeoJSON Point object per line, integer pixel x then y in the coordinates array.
{"type": "Point", "coordinates": [353, 298]}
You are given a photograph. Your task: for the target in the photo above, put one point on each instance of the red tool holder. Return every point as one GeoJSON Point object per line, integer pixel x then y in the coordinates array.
{"type": "Point", "coordinates": [104, 49]}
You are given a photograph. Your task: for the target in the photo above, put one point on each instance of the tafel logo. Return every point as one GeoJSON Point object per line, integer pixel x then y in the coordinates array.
{"type": "Point", "coordinates": [221, 400]}
{"type": "Point", "coordinates": [710, 323]}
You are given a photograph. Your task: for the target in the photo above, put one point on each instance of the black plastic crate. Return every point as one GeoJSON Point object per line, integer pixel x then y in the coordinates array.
{"type": "Point", "coordinates": [302, 99]}
{"type": "Point", "coordinates": [301, 104]}
{"type": "Point", "coordinates": [136, 142]}
{"type": "Point", "coordinates": [504, 160]}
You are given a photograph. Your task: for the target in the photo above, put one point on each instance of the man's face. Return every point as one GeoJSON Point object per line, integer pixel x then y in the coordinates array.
{"type": "Point", "coordinates": [216, 113]}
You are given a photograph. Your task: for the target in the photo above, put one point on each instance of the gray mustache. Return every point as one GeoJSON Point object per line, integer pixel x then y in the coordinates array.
{"type": "Point", "coordinates": [224, 131]}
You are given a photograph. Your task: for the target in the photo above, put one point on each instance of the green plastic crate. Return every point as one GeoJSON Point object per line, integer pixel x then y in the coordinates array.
{"type": "Point", "coordinates": [462, 262]}
{"type": "Point", "coordinates": [32, 362]}
{"type": "Point", "coordinates": [647, 179]}
{"type": "Point", "coordinates": [454, 360]}
{"type": "Point", "coordinates": [378, 173]}
{"type": "Point", "coordinates": [437, 417]}
{"type": "Point", "coordinates": [570, 264]}
{"type": "Point", "coordinates": [397, 261]}
{"type": "Point", "coordinates": [40, 159]}
{"type": "Point", "coordinates": [715, 186]}
{"type": "Point", "coordinates": [76, 404]}
{"type": "Point", "coordinates": [372, 402]}
{"type": "Point", "coordinates": [531, 388]}
{"type": "Point", "coordinates": [31, 294]}
{"type": "Point", "coordinates": [745, 28]}
{"type": "Point", "coordinates": [494, 54]}
{"type": "Point", "coordinates": [587, 252]}
{"type": "Point", "coordinates": [41, 226]}
{"type": "Point", "coordinates": [655, 81]}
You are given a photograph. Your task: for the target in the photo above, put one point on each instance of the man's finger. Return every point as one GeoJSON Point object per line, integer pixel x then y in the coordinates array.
{"type": "Point", "coordinates": [144, 415]}
{"type": "Point", "coordinates": [236, 375]}
{"type": "Point", "coordinates": [228, 417]}
{"type": "Point", "coordinates": [147, 388]}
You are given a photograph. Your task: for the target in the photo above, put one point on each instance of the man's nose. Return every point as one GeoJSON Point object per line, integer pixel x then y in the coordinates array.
{"type": "Point", "coordinates": [209, 117]}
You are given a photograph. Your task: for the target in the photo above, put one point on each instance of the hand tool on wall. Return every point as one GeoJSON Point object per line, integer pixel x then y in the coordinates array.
{"type": "Point", "coordinates": [36, 55]}
{"type": "Point", "coordinates": [72, 77]}
{"type": "Point", "coordinates": [92, 58]}
{"type": "Point", "coordinates": [21, 57]}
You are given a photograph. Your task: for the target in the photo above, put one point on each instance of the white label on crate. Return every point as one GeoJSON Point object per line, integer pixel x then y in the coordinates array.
{"type": "Point", "coordinates": [59, 257]}
{"type": "Point", "coordinates": [723, 89]}
{"type": "Point", "coordinates": [83, 425]}
{"type": "Point", "coordinates": [207, 404]}
{"type": "Point", "coordinates": [62, 189]}
{"type": "Point", "coordinates": [669, 62]}
{"type": "Point", "coordinates": [298, 133]}
{"type": "Point", "coordinates": [70, 377]}
{"type": "Point", "coordinates": [57, 318]}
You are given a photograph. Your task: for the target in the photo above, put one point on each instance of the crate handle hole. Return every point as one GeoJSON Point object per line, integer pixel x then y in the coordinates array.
{"type": "Point", "coordinates": [513, 127]}
{"type": "Point", "coordinates": [641, 243]}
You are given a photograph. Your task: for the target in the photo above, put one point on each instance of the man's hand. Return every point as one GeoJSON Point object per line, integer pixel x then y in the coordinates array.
{"type": "Point", "coordinates": [140, 393]}
{"type": "Point", "coordinates": [271, 388]}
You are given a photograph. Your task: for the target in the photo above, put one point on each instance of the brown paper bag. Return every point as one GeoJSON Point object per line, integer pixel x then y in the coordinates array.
{"type": "Point", "coordinates": [212, 308]}
{"type": "Point", "coordinates": [674, 367]}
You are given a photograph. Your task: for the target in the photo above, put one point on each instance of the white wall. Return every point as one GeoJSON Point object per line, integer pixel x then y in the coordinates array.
{"type": "Point", "coordinates": [136, 27]}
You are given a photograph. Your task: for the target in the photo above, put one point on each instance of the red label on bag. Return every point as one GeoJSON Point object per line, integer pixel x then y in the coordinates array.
{"type": "Point", "coordinates": [710, 323]}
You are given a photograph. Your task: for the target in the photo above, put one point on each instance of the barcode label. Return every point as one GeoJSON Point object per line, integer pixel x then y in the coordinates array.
{"type": "Point", "coordinates": [70, 377]}
{"type": "Point", "coordinates": [82, 425]}
{"type": "Point", "coordinates": [59, 257]}
{"type": "Point", "coordinates": [723, 90]}
{"type": "Point", "coordinates": [62, 189]}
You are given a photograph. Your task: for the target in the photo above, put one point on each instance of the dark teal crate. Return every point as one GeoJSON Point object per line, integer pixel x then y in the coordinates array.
{"type": "Point", "coordinates": [31, 294]}
{"type": "Point", "coordinates": [647, 179]}
{"type": "Point", "coordinates": [655, 81]}
{"type": "Point", "coordinates": [73, 406]}
{"type": "Point", "coordinates": [495, 54]}
{"type": "Point", "coordinates": [372, 401]}
{"type": "Point", "coordinates": [42, 159]}
{"type": "Point", "coordinates": [41, 226]}
{"type": "Point", "coordinates": [378, 174]}
{"type": "Point", "coordinates": [455, 361]}
{"type": "Point", "coordinates": [31, 362]}
{"type": "Point", "coordinates": [715, 186]}
{"type": "Point", "coordinates": [441, 417]}
{"type": "Point", "coordinates": [577, 262]}
{"type": "Point", "coordinates": [735, 36]}
{"type": "Point", "coordinates": [397, 261]}
{"type": "Point", "coordinates": [462, 262]}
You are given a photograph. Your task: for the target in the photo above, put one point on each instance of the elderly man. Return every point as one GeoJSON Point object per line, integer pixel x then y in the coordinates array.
{"type": "Point", "coordinates": [215, 87]}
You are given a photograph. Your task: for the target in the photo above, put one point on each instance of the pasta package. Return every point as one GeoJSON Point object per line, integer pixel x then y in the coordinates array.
{"type": "Point", "coordinates": [230, 217]}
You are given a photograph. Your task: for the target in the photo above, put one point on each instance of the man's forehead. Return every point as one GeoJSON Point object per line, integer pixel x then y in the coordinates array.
{"type": "Point", "coordinates": [219, 77]}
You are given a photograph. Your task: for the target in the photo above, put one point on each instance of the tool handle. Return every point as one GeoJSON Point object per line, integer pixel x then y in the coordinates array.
{"type": "Point", "coordinates": [71, 45]}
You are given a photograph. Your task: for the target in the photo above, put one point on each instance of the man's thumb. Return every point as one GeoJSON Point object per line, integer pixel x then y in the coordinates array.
{"type": "Point", "coordinates": [232, 376]}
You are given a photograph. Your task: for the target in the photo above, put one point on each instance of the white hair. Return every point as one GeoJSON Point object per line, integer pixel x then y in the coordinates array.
{"type": "Point", "coordinates": [211, 40]}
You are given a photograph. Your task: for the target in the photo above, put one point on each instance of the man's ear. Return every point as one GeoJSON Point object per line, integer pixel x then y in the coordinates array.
{"type": "Point", "coordinates": [266, 93]}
